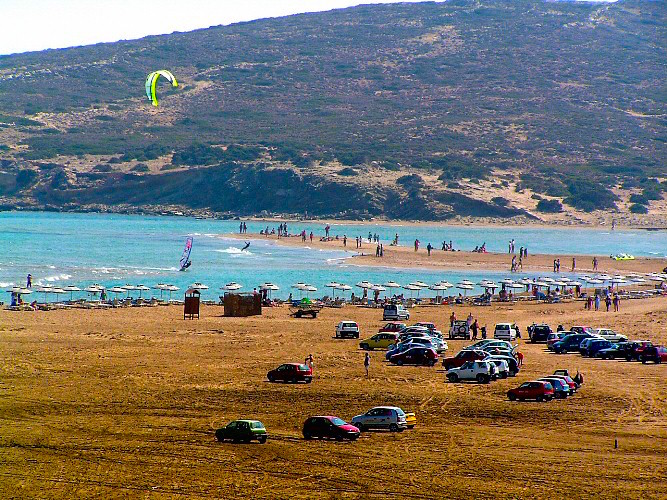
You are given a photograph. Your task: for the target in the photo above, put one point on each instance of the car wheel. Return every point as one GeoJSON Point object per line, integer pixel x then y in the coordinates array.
{"type": "Point", "coordinates": [504, 375]}
{"type": "Point", "coordinates": [431, 362]}
{"type": "Point", "coordinates": [308, 380]}
{"type": "Point", "coordinates": [511, 397]}
{"type": "Point", "coordinates": [294, 380]}
{"type": "Point", "coordinates": [354, 437]}
{"type": "Point", "coordinates": [271, 378]}
{"type": "Point", "coordinates": [364, 347]}
{"type": "Point", "coordinates": [643, 360]}
{"type": "Point", "coordinates": [539, 398]}
{"type": "Point", "coordinates": [261, 439]}
{"type": "Point", "coordinates": [453, 377]}
{"type": "Point", "coordinates": [628, 358]}
{"type": "Point", "coordinates": [481, 378]}
{"type": "Point", "coordinates": [361, 427]}
{"type": "Point", "coordinates": [399, 362]}
{"type": "Point", "coordinates": [307, 436]}
{"type": "Point", "coordinates": [393, 427]}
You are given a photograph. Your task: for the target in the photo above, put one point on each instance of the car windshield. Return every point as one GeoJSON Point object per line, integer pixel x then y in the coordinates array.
{"type": "Point", "coordinates": [337, 421]}
{"type": "Point", "coordinates": [400, 412]}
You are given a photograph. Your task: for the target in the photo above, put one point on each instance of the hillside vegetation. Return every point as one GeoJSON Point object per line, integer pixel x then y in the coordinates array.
{"type": "Point", "coordinates": [555, 101]}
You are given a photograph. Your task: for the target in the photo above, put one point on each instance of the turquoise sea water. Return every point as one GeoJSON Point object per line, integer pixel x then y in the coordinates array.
{"type": "Point", "coordinates": [81, 249]}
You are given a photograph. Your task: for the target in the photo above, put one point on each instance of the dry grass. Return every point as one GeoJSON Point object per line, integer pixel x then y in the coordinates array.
{"type": "Point", "coordinates": [124, 403]}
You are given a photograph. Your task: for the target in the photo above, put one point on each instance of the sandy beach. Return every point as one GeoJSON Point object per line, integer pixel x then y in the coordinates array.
{"type": "Point", "coordinates": [125, 402]}
{"type": "Point", "coordinates": [406, 257]}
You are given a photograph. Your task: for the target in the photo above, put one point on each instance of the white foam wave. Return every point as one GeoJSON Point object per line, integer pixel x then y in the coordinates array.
{"type": "Point", "coordinates": [56, 277]}
{"type": "Point", "coordinates": [4, 284]}
{"type": "Point", "coordinates": [234, 251]}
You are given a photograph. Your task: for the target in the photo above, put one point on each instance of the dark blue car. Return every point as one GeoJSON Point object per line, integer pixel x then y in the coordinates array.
{"type": "Point", "coordinates": [596, 345]}
{"type": "Point", "coordinates": [570, 343]}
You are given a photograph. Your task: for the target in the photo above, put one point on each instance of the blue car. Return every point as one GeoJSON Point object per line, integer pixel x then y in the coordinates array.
{"type": "Point", "coordinates": [403, 346]}
{"type": "Point", "coordinates": [570, 343]}
{"type": "Point", "coordinates": [594, 346]}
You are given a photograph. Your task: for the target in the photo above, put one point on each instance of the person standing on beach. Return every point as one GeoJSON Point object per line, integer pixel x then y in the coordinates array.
{"type": "Point", "coordinates": [416, 245]}
{"type": "Point", "coordinates": [311, 236]}
{"type": "Point", "coordinates": [574, 263]}
{"type": "Point", "coordinates": [607, 302]}
{"type": "Point", "coordinates": [452, 318]}
{"type": "Point", "coordinates": [367, 364]}
{"type": "Point", "coordinates": [345, 240]}
{"type": "Point", "coordinates": [29, 281]}
{"type": "Point", "coordinates": [377, 251]}
{"type": "Point", "coordinates": [473, 329]}
{"type": "Point", "coordinates": [617, 303]}
{"type": "Point", "coordinates": [428, 249]}
{"type": "Point", "coordinates": [381, 250]}
{"type": "Point", "coordinates": [597, 302]}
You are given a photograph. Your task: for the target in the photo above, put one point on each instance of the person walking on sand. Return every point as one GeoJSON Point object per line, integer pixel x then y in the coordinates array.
{"type": "Point", "coordinates": [452, 318]}
{"type": "Point", "coordinates": [607, 302]}
{"type": "Point", "coordinates": [473, 329]}
{"type": "Point", "coordinates": [519, 358]}
{"type": "Point", "coordinates": [428, 249]}
{"type": "Point", "coordinates": [595, 263]}
{"type": "Point", "coordinates": [345, 240]}
{"type": "Point", "coordinates": [574, 263]}
{"type": "Point", "coordinates": [367, 364]}
{"type": "Point", "coordinates": [597, 302]}
{"type": "Point", "coordinates": [309, 361]}
{"type": "Point", "coordinates": [416, 245]}
{"type": "Point", "coordinates": [617, 303]}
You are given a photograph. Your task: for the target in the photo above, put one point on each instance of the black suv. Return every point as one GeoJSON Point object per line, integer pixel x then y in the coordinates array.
{"type": "Point", "coordinates": [539, 333]}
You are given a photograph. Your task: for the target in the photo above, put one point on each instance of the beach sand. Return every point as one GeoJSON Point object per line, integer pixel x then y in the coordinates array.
{"type": "Point", "coordinates": [406, 257]}
{"type": "Point", "coordinates": [125, 403]}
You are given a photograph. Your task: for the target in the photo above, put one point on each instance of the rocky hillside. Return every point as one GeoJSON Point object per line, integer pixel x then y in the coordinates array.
{"type": "Point", "coordinates": [478, 108]}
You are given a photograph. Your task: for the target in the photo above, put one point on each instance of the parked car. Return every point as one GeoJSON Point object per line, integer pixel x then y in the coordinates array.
{"type": "Point", "coordinates": [381, 417]}
{"type": "Point", "coordinates": [539, 333]}
{"type": "Point", "coordinates": [512, 364]}
{"type": "Point", "coordinates": [432, 330]}
{"type": "Point", "coordinates": [502, 367]}
{"type": "Point", "coordinates": [243, 431]}
{"type": "Point", "coordinates": [462, 357]}
{"type": "Point", "coordinates": [567, 379]}
{"type": "Point", "coordinates": [392, 327]}
{"type": "Point", "coordinates": [291, 372]}
{"type": "Point", "coordinates": [491, 343]}
{"type": "Point", "coordinates": [570, 343]}
{"type": "Point", "coordinates": [594, 346]}
{"type": "Point", "coordinates": [634, 350]}
{"type": "Point", "coordinates": [555, 337]}
{"type": "Point", "coordinates": [379, 341]}
{"type": "Point", "coordinates": [403, 346]}
{"type": "Point", "coordinates": [615, 350]}
{"type": "Point", "coordinates": [481, 371]}
{"type": "Point", "coordinates": [415, 356]}
{"type": "Point", "coordinates": [413, 331]}
{"type": "Point", "coordinates": [610, 335]}
{"type": "Point", "coordinates": [561, 387]}
{"type": "Point", "coordinates": [506, 331]}
{"type": "Point", "coordinates": [439, 345]}
{"type": "Point", "coordinates": [655, 353]}
{"type": "Point", "coordinates": [347, 329]}
{"type": "Point", "coordinates": [410, 419]}
{"type": "Point", "coordinates": [329, 427]}
{"type": "Point", "coordinates": [582, 329]}
{"type": "Point", "coordinates": [395, 312]}
{"type": "Point", "coordinates": [459, 330]}
{"type": "Point", "coordinates": [538, 390]}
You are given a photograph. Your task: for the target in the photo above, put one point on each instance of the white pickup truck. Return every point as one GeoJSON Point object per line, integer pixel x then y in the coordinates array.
{"type": "Point", "coordinates": [481, 371]}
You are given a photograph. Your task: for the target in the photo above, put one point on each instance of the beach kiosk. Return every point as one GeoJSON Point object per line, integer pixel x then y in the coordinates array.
{"type": "Point", "coordinates": [191, 304]}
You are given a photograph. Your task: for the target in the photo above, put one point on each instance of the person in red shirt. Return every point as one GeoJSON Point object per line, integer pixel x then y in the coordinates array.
{"type": "Point", "coordinates": [519, 358]}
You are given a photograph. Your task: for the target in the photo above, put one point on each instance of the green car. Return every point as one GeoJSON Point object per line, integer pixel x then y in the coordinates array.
{"type": "Point", "coordinates": [243, 431]}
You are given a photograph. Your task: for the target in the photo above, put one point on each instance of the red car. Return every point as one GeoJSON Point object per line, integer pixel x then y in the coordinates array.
{"type": "Point", "coordinates": [655, 353]}
{"type": "Point", "coordinates": [291, 372]}
{"type": "Point", "coordinates": [538, 390]}
{"type": "Point", "coordinates": [570, 381]}
{"type": "Point", "coordinates": [323, 427]}
{"type": "Point", "coordinates": [463, 356]}
{"type": "Point", "coordinates": [392, 327]}
{"type": "Point", "coordinates": [415, 356]}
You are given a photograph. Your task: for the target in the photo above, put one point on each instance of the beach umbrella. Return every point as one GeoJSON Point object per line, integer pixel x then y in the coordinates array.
{"type": "Point", "coordinates": [526, 281]}
{"type": "Point", "coordinates": [128, 288]}
{"type": "Point", "coordinates": [439, 287]}
{"type": "Point", "coordinates": [618, 281]}
{"type": "Point", "coordinates": [45, 289]}
{"type": "Point", "coordinates": [547, 280]}
{"type": "Point", "coordinates": [170, 289]}
{"type": "Point", "coordinates": [309, 288]}
{"type": "Point", "coordinates": [343, 287]}
{"type": "Point", "coordinates": [507, 281]}
{"type": "Point", "coordinates": [604, 277]}
{"type": "Point", "coordinates": [232, 287]}
{"type": "Point", "coordinates": [575, 283]}
{"type": "Point", "coordinates": [391, 285]}
{"type": "Point", "coordinates": [58, 291]}
{"type": "Point", "coordinates": [142, 289]}
{"type": "Point", "coordinates": [364, 284]}
{"type": "Point", "coordinates": [199, 286]}
{"type": "Point", "coordinates": [333, 285]}
{"type": "Point", "coordinates": [94, 289]}
{"type": "Point", "coordinates": [565, 279]}
{"type": "Point", "coordinates": [269, 287]}
{"type": "Point", "coordinates": [516, 286]}
{"type": "Point", "coordinates": [411, 288]}
{"type": "Point", "coordinates": [420, 284]}
{"type": "Point", "coordinates": [558, 283]}
{"type": "Point", "coordinates": [655, 277]}
{"type": "Point", "coordinates": [638, 279]}
{"type": "Point", "coordinates": [71, 289]}
{"type": "Point", "coordinates": [116, 290]}
{"type": "Point", "coordinates": [594, 281]}
{"type": "Point", "coordinates": [465, 287]}
{"type": "Point", "coordinates": [161, 287]}
{"type": "Point", "coordinates": [445, 283]}
{"type": "Point", "coordinates": [465, 282]}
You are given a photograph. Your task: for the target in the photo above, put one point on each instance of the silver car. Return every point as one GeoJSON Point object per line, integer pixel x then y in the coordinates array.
{"type": "Point", "coordinates": [381, 417]}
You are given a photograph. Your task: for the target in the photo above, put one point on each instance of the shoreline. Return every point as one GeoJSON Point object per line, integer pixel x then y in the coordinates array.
{"type": "Point", "coordinates": [456, 222]}
{"type": "Point", "coordinates": [404, 257]}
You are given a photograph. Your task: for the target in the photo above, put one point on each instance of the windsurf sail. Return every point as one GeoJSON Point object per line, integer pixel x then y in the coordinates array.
{"type": "Point", "coordinates": [185, 258]}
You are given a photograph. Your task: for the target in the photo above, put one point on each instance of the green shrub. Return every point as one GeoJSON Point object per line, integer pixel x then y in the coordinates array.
{"type": "Point", "coordinates": [500, 201]}
{"type": "Point", "coordinates": [347, 172]}
{"type": "Point", "coordinates": [638, 208]}
{"type": "Point", "coordinates": [549, 206]}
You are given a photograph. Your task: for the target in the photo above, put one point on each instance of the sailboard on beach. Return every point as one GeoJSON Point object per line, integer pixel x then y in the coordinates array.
{"type": "Point", "coordinates": [185, 258]}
